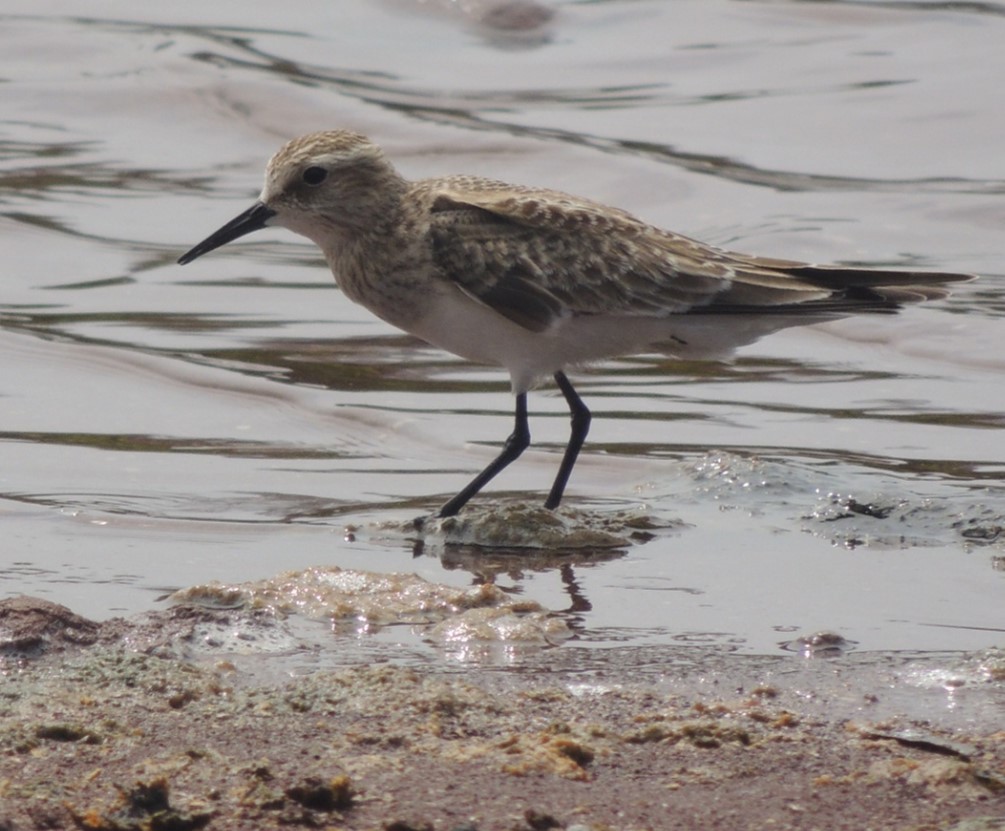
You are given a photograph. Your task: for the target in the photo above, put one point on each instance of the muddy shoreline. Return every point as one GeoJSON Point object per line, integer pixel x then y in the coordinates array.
{"type": "Point", "coordinates": [146, 724]}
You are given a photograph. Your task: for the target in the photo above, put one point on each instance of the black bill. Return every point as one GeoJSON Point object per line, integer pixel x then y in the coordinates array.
{"type": "Point", "coordinates": [253, 219]}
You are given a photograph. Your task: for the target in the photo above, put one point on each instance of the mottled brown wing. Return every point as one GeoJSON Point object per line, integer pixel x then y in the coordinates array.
{"type": "Point", "coordinates": [537, 255]}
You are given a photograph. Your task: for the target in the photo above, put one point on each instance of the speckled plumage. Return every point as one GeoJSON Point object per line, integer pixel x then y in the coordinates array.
{"type": "Point", "coordinates": [536, 280]}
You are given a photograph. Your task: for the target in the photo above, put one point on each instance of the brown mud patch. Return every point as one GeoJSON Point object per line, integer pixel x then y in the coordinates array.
{"type": "Point", "coordinates": [126, 725]}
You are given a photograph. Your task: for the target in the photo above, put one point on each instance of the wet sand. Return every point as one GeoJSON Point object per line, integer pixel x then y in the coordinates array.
{"type": "Point", "coordinates": [145, 724]}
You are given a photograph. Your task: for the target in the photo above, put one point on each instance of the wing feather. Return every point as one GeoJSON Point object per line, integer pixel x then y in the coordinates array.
{"type": "Point", "coordinates": [537, 256]}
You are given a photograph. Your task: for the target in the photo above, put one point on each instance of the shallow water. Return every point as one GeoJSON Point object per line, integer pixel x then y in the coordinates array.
{"type": "Point", "coordinates": [163, 427]}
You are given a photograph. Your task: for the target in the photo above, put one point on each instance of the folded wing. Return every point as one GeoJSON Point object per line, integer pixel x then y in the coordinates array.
{"type": "Point", "coordinates": [536, 256]}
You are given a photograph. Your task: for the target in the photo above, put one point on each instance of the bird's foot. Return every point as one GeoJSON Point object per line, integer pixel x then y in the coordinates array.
{"type": "Point", "coordinates": [419, 523]}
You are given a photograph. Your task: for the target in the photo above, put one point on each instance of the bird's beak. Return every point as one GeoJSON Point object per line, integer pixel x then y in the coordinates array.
{"type": "Point", "coordinates": [253, 219]}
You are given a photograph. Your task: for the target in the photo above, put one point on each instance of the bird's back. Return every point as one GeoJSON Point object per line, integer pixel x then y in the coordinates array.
{"type": "Point", "coordinates": [537, 255]}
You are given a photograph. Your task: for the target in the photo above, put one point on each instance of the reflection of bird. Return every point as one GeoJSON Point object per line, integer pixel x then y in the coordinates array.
{"type": "Point", "coordinates": [535, 280]}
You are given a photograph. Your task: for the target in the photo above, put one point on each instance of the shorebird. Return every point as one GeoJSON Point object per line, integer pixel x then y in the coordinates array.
{"type": "Point", "coordinates": [536, 280]}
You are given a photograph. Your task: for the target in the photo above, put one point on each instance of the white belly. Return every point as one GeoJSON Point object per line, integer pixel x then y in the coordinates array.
{"type": "Point", "coordinates": [461, 325]}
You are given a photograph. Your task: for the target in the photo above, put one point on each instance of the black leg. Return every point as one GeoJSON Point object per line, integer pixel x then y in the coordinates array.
{"type": "Point", "coordinates": [580, 427]}
{"type": "Point", "coordinates": [518, 441]}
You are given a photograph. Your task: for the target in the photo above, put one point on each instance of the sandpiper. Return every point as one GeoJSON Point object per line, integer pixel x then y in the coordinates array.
{"type": "Point", "coordinates": [535, 280]}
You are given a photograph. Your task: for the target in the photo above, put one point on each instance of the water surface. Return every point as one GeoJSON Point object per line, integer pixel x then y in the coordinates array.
{"type": "Point", "coordinates": [162, 427]}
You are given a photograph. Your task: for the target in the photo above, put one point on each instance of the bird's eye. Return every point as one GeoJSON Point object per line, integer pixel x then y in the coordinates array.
{"type": "Point", "coordinates": [315, 175]}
